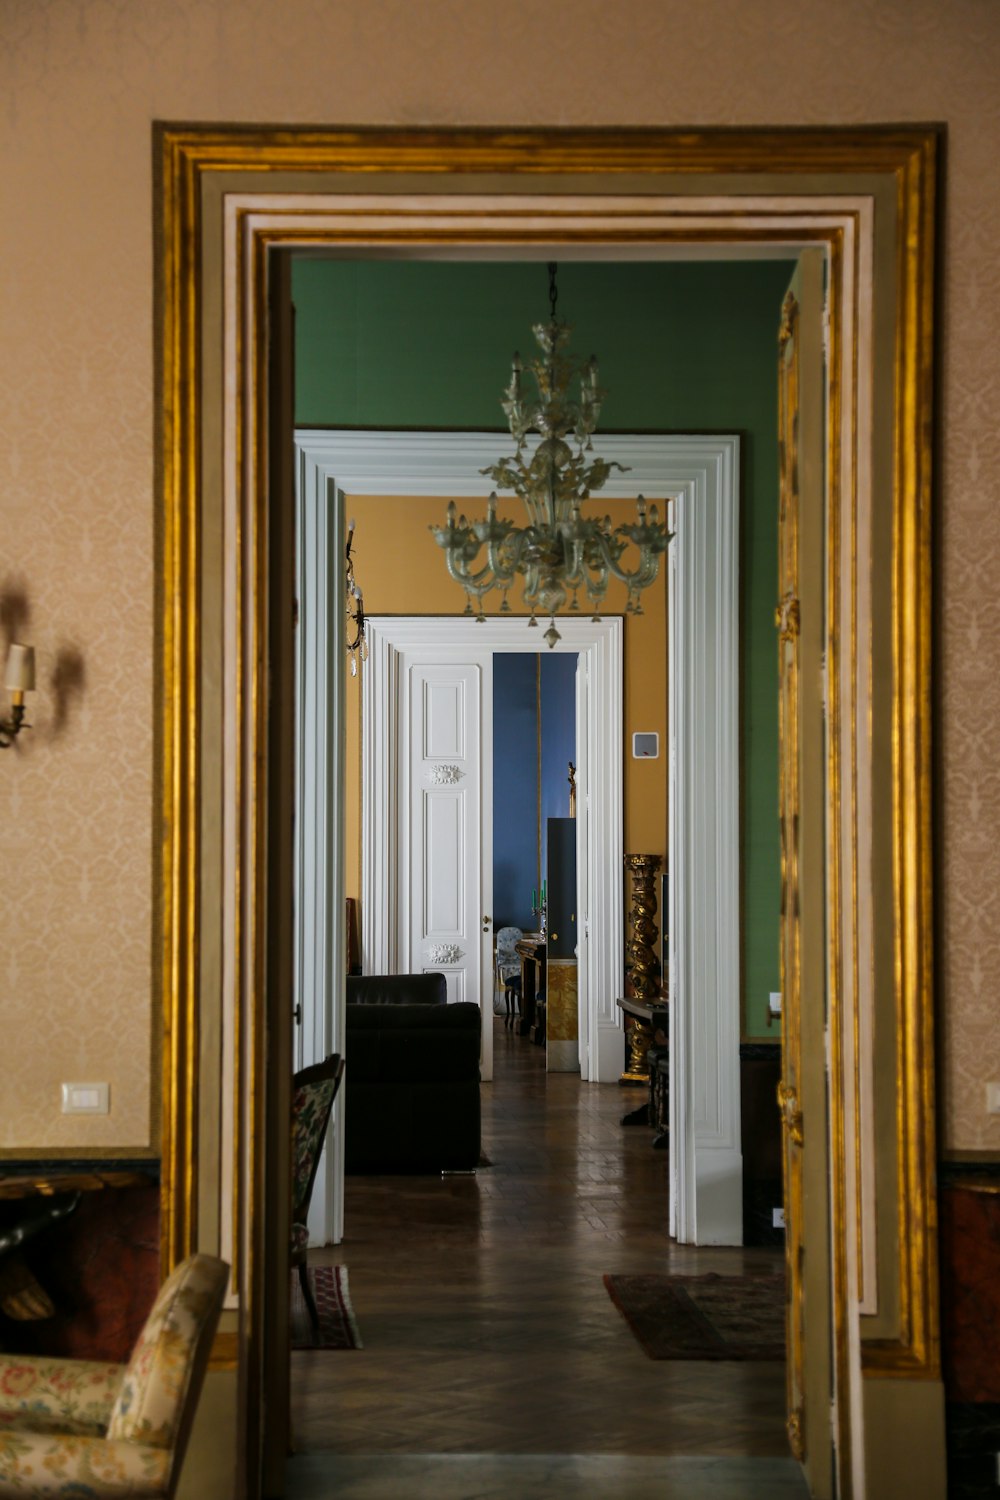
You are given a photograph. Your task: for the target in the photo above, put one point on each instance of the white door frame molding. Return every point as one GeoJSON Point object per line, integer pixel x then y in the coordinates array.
{"type": "Point", "coordinates": [703, 855]}
{"type": "Point", "coordinates": [320, 961]}
{"type": "Point", "coordinates": [233, 201]}
{"type": "Point", "coordinates": [697, 472]}
{"type": "Point", "coordinates": [392, 642]}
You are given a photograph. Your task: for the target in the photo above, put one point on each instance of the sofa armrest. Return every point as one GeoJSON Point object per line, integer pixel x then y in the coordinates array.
{"type": "Point", "coordinates": [33, 1463]}
{"type": "Point", "coordinates": [74, 1394]}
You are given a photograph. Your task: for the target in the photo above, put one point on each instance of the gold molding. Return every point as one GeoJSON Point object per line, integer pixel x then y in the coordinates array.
{"type": "Point", "coordinates": [187, 157]}
{"type": "Point", "coordinates": [786, 619]}
{"type": "Point", "coordinates": [917, 1350]}
{"type": "Point", "coordinates": [178, 407]}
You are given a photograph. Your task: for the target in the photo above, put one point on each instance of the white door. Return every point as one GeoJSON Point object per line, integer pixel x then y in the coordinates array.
{"type": "Point", "coordinates": [394, 782]}
{"type": "Point", "coordinates": [582, 867]}
{"type": "Point", "coordinates": [446, 843]}
{"type": "Point", "coordinates": [320, 962]}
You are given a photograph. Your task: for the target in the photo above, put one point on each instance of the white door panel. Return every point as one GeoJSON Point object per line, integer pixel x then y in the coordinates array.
{"type": "Point", "coordinates": [583, 978]}
{"type": "Point", "coordinates": [444, 719]}
{"type": "Point", "coordinates": [444, 821]}
{"type": "Point", "coordinates": [445, 873]}
{"type": "Point", "coordinates": [320, 961]}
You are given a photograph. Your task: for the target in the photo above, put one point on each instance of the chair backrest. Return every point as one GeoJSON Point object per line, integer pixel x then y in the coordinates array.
{"type": "Point", "coordinates": [397, 989]}
{"type": "Point", "coordinates": [162, 1382]}
{"type": "Point", "coordinates": [313, 1092]}
{"type": "Point", "coordinates": [507, 938]}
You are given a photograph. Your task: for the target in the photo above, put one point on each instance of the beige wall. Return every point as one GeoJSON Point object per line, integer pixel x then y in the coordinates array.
{"type": "Point", "coordinates": [81, 83]}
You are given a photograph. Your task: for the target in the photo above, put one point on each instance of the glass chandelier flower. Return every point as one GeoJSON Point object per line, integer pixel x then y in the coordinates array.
{"type": "Point", "coordinates": [560, 551]}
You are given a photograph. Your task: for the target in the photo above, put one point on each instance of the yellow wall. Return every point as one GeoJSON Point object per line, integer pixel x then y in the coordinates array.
{"type": "Point", "coordinates": [81, 85]}
{"type": "Point", "coordinates": [401, 570]}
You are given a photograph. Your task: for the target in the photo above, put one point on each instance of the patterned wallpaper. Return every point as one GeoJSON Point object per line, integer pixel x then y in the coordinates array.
{"type": "Point", "coordinates": [80, 82]}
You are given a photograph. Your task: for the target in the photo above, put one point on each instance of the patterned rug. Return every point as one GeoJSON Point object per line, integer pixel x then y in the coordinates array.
{"type": "Point", "coordinates": [337, 1327]}
{"type": "Point", "coordinates": [703, 1317]}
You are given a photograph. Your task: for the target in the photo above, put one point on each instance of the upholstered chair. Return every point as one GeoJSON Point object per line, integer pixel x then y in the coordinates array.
{"type": "Point", "coordinates": [78, 1428]}
{"type": "Point", "coordinates": [508, 967]}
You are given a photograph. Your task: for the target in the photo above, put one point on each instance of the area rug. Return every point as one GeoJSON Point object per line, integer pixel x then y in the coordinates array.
{"type": "Point", "coordinates": [703, 1317]}
{"type": "Point", "coordinates": [337, 1326]}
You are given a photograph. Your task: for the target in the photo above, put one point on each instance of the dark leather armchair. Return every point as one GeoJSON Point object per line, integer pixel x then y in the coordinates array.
{"type": "Point", "coordinates": [413, 1099]}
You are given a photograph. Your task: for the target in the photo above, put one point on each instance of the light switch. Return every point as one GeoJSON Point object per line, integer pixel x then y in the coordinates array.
{"type": "Point", "coordinates": [774, 1002]}
{"type": "Point", "coordinates": [85, 1099]}
{"type": "Point", "coordinates": [645, 746]}
{"type": "Point", "coordinates": [993, 1098]}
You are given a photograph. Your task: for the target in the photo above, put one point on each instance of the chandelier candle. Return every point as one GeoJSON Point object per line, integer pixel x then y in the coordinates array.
{"type": "Point", "coordinates": [559, 551]}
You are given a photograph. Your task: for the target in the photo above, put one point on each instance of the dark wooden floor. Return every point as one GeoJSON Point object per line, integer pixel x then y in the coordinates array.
{"type": "Point", "coordinates": [486, 1326]}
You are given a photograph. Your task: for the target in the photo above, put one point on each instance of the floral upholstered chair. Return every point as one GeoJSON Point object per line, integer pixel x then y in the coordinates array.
{"type": "Point", "coordinates": [77, 1428]}
{"type": "Point", "coordinates": [313, 1092]}
{"type": "Point", "coordinates": [508, 964]}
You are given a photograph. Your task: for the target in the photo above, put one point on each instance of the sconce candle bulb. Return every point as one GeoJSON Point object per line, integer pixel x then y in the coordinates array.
{"type": "Point", "coordinates": [19, 678]}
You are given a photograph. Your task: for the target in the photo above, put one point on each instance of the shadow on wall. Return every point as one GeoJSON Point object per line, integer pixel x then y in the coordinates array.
{"type": "Point", "coordinates": [68, 676]}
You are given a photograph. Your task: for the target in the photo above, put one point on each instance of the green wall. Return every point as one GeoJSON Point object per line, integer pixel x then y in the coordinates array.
{"type": "Point", "coordinates": [682, 348]}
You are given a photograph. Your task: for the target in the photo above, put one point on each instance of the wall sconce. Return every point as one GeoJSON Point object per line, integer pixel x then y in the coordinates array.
{"type": "Point", "coordinates": [19, 678]}
{"type": "Point", "coordinates": [357, 644]}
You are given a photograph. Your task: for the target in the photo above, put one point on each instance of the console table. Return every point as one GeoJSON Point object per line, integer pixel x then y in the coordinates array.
{"type": "Point", "coordinates": [531, 950]}
{"type": "Point", "coordinates": [647, 1026]}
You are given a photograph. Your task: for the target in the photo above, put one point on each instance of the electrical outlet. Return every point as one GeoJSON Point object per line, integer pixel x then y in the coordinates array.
{"type": "Point", "coordinates": [993, 1098]}
{"type": "Point", "coordinates": [85, 1099]}
{"type": "Point", "coordinates": [777, 1218]}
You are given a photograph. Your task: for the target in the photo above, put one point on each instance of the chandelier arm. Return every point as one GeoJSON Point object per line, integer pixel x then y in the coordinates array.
{"type": "Point", "coordinates": [458, 560]}
{"type": "Point", "coordinates": [644, 574]}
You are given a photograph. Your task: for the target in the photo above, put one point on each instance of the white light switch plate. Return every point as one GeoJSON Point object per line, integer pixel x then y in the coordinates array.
{"type": "Point", "coordinates": [777, 1218]}
{"type": "Point", "coordinates": [85, 1099]}
{"type": "Point", "coordinates": [774, 1002]}
{"type": "Point", "coordinates": [645, 746]}
{"type": "Point", "coordinates": [993, 1098]}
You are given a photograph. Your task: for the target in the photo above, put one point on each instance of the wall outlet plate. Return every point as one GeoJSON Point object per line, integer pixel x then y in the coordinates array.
{"type": "Point", "coordinates": [85, 1099]}
{"type": "Point", "coordinates": [777, 1218]}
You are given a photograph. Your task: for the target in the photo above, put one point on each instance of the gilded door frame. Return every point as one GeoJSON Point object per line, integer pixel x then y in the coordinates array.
{"type": "Point", "coordinates": [702, 165]}
{"type": "Point", "coordinates": [800, 619]}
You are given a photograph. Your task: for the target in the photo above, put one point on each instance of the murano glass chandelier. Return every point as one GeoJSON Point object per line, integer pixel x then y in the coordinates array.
{"type": "Point", "coordinates": [560, 551]}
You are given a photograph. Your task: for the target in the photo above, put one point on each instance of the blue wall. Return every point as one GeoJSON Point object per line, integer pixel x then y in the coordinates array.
{"type": "Point", "coordinates": [516, 772]}
{"type": "Point", "coordinates": [515, 789]}
{"type": "Point", "coordinates": [558, 738]}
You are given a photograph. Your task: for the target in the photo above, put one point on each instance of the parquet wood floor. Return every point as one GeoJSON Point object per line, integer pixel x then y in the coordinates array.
{"type": "Point", "coordinates": [486, 1326]}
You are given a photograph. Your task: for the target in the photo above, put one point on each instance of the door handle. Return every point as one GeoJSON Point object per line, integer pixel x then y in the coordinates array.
{"type": "Point", "coordinates": [486, 923]}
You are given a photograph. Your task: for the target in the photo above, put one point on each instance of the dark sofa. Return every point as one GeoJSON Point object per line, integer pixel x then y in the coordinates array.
{"type": "Point", "coordinates": [412, 1101]}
